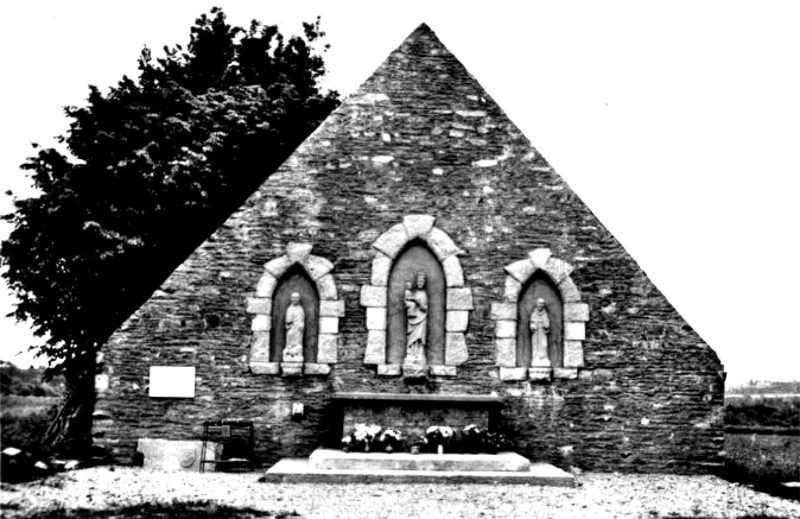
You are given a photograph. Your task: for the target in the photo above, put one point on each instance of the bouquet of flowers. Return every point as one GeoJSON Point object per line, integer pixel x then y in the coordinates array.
{"type": "Point", "coordinates": [471, 438]}
{"type": "Point", "coordinates": [439, 435]}
{"type": "Point", "coordinates": [391, 440]}
{"type": "Point", "coordinates": [361, 439]}
{"type": "Point", "coordinates": [416, 443]}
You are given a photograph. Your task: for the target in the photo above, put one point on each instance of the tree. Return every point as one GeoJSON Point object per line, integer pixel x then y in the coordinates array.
{"type": "Point", "coordinates": [157, 164]}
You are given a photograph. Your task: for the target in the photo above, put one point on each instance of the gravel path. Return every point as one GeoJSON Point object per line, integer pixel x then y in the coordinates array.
{"type": "Point", "coordinates": [598, 495]}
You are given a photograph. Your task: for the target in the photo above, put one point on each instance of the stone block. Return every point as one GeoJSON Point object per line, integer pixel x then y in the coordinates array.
{"type": "Point", "coordinates": [504, 311]}
{"type": "Point", "coordinates": [331, 308]}
{"type": "Point", "coordinates": [372, 296]}
{"type": "Point", "coordinates": [381, 266]}
{"type": "Point", "coordinates": [370, 462]}
{"type": "Point", "coordinates": [558, 269]}
{"type": "Point", "coordinates": [261, 323]}
{"type": "Point", "coordinates": [298, 252]}
{"type": "Point", "coordinates": [459, 299]}
{"type": "Point", "coordinates": [310, 368]}
{"type": "Point", "coordinates": [573, 354]}
{"type": "Point", "coordinates": [259, 305]}
{"type": "Point", "coordinates": [260, 347]}
{"type": "Point", "coordinates": [520, 270]}
{"type": "Point", "coordinates": [539, 257]}
{"type": "Point", "coordinates": [455, 349]}
{"type": "Point", "coordinates": [443, 371]}
{"type": "Point", "coordinates": [511, 290]}
{"type": "Point", "coordinates": [376, 347]}
{"type": "Point", "coordinates": [453, 275]}
{"type": "Point", "coordinates": [266, 285]}
{"type": "Point", "coordinates": [327, 348]}
{"type": "Point", "coordinates": [291, 369]}
{"type": "Point", "coordinates": [390, 370]}
{"type": "Point", "coordinates": [456, 320]}
{"type": "Point", "coordinates": [329, 325]}
{"type": "Point", "coordinates": [506, 352]}
{"type": "Point", "coordinates": [507, 374]}
{"type": "Point", "coordinates": [265, 368]}
{"type": "Point", "coordinates": [418, 225]}
{"type": "Point", "coordinates": [578, 312]}
{"type": "Point", "coordinates": [376, 318]}
{"type": "Point", "coordinates": [441, 244]}
{"type": "Point", "coordinates": [101, 383]}
{"type": "Point", "coordinates": [392, 240]}
{"type": "Point", "coordinates": [505, 329]}
{"type": "Point", "coordinates": [569, 292]}
{"type": "Point", "coordinates": [175, 455]}
{"type": "Point", "coordinates": [278, 266]}
{"type": "Point", "coordinates": [574, 331]}
{"type": "Point", "coordinates": [316, 266]}
{"type": "Point", "coordinates": [327, 288]}
{"type": "Point", "coordinates": [539, 374]}
{"type": "Point", "coordinates": [565, 373]}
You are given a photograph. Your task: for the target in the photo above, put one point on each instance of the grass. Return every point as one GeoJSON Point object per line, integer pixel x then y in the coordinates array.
{"type": "Point", "coordinates": [763, 461]}
{"type": "Point", "coordinates": [24, 420]}
{"type": "Point", "coordinates": [169, 510]}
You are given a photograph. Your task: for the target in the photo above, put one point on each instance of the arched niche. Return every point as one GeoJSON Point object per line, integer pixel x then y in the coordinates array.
{"type": "Point", "coordinates": [296, 279]}
{"type": "Point", "coordinates": [539, 275]}
{"type": "Point", "coordinates": [416, 232]}
{"type": "Point", "coordinates": [416, 258]}
{"type": "Point", "coordinates": [539, 285]}
{"type": "Point", "coordinates": [296, 271]}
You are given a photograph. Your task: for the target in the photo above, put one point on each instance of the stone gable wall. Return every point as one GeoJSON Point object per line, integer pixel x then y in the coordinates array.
{"type": "Point", "coordinates": [422, 137]}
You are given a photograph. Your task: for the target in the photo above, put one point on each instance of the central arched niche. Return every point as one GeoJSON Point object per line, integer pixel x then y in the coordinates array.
{"type": "Point", "coordinates": [416, 258]}
{"type": "Point", "coordinates": [295, 280]}
{"type": "Point", "coordinates": [538, 286]}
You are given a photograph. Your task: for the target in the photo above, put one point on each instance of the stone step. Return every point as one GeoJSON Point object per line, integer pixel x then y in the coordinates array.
{"type": "Point", "coordinates": [298, 470]}
{"type": "Point", "coordinates": [331, 459]}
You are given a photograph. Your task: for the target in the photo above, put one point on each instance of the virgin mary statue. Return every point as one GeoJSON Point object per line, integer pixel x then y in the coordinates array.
{"type": "Point", "coordinates": [416, 302]}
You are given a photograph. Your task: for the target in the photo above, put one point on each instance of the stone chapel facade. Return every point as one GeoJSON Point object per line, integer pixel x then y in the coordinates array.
{"type": "Point", "coordinates": [419, 172]}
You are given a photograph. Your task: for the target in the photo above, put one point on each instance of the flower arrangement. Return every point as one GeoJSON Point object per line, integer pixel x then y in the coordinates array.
{"type": "Point", "coordinates": [439, 435]}
{"type": "Point", "coordinates": [391, 440]}
{"type": "Point", "coordinates": [471, 439]}
{"type": "Point", "coordinates": [361, 439]}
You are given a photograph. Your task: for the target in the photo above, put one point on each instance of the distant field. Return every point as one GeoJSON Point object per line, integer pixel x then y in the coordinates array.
{"type": "Point", "coordinates": [15, 405]}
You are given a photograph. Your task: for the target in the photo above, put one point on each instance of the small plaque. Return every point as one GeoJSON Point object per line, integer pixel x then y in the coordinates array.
{"type": "Point", "coordinates": [172, 381]}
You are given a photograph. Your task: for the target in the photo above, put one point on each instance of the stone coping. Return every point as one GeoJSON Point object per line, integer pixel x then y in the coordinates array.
{"type": "Point", "coordinates": [418, 397]}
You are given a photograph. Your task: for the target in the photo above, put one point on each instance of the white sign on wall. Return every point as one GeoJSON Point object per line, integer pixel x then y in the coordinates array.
{"type": "Point", "coordinates": [171, 382]}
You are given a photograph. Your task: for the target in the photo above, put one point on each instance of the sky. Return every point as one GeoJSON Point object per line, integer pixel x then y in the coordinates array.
{"type": "Point", "coordinates": [677, 123]}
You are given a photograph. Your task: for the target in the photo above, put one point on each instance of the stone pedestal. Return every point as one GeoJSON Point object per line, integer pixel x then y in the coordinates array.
{"type": "Point", "coordinates": [175, 454]}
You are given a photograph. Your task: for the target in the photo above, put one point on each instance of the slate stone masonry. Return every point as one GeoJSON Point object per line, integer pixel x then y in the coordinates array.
{"type": "Point", "coordinates": [421, 137]}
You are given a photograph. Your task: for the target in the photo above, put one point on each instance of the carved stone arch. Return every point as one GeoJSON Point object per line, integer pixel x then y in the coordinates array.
{"type": "Point", "coordinates": [458, 297]}
{"type": "Point", "coordinates": [575, 314]}
{"type": "Point", "coordinates": [331, 308]}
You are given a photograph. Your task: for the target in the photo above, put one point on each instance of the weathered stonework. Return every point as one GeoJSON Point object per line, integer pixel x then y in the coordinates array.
{"type": "Point", "coordinates": [456, 163]}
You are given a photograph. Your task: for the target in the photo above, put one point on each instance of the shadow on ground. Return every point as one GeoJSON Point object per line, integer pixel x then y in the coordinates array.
{"type": "Point", "coordinates": [173, 510]}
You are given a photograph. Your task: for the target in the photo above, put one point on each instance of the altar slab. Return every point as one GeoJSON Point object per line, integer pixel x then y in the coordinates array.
{"type": "Point", "coordinates": [297, 470]}
{"type": "Point", "coordinates": [331, 459]}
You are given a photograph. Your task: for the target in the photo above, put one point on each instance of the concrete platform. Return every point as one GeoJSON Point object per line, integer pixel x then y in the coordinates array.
{"type": "Point", "coordinates": [332, 459]}
{"type": "Point", "coordinates": [300, 470]}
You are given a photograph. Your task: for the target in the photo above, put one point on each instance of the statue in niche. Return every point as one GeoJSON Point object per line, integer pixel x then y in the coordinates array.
{"type": "Point", "coordinates": [295, 325]}
{"type": "Point", "coordinates": [416, 303]}
{"type": "Point", "coordinates": [540, 326]}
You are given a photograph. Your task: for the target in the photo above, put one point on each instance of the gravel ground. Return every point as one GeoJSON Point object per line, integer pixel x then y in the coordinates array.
{"type": "Point", "coordinates": [598, 495]}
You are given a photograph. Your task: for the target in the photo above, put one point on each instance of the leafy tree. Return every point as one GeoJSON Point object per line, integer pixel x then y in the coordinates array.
{"type": "Point", "coordinates": [157, 164]}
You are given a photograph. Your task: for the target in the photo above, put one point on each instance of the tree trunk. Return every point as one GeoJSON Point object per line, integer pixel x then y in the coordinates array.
{"type": "Point", "coordinates": [70, 432]}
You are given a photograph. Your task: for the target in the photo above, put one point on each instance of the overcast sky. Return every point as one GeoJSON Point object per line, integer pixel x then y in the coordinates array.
{"type": "Point", "coordinates": [677, 123]}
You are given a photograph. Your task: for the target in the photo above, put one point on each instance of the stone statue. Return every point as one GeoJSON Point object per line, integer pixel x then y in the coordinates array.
{"type": "Point", "coordinates": [416, 303]}
{"type": "Point", "coordinates": [295, 324]}
{"type": "Point", "coordinates": [540, 326]}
